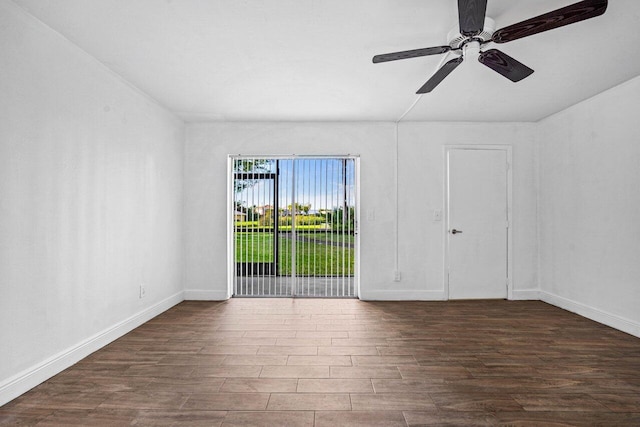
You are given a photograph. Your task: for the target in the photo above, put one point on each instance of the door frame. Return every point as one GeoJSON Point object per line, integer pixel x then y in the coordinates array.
{"type": "Point", "coordinates": [230, 217]}
{"type": "Point", "coordinates": [445, 229]}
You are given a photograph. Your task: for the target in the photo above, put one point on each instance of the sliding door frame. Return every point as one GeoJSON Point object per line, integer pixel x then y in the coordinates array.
{"type": "Point", "coordinates": [231, 262]}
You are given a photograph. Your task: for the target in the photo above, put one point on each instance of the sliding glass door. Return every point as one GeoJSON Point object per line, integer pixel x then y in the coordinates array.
{"type": "Point", "coordinates": [294, 226]}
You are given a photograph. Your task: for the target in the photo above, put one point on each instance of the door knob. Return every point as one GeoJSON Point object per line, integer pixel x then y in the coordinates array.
{"type": "Point", "coordinates": [454, 231]}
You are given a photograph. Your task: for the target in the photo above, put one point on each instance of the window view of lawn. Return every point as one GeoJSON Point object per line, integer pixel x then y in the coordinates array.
{"type": "Point", "coordinates": [317, 253]}
{"type": "Point", "coordinates": [304, 206]}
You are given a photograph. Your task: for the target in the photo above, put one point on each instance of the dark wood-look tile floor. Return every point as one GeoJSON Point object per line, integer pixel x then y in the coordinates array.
{"type": "Point", "coordinates": [314, 362]}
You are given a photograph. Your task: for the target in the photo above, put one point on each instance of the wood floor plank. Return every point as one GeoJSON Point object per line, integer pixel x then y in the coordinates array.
{"type": "Point", "coordinates": [227, 371]}
{"type": "Point", "coordinates": [392, 402]}
{"type": "Point", "coordinates": [259, 385]}
{"type": "Point", "coordinates": [555, 402]}
{"type": "Point", "coordinates": [369, 372]}
{"type": "Point", "coordinates": [319, 360]}
{"type": "Point", "coordinates": [188, 385]}
{"type": "Point", "coordinates": [270, 419]}
{"type": "Point", "coordinates": [384, 360]}
{"type": "Point", "coordinates": [288, 350]}
{"type": "Point", "coordinates": [309, 402]}
{"type": "Point", "coordinates": [150, 399]}
{"type": "Point", "coordinates": [250, 360]}
{"type": "Point", "coordinates": [227, 401]}
{"type": "Point", "coordinates": [334, 385]}
{"type": "Point", "coordinates": [467, 419]}
{"type": "Point", "coordinates": [295, 372]}
{"type": "Point", "coordinates": [360, 419]}
{"type": "Point", "coordinates": [347, 351]}
{"type": "Point", "coordinates": [475, 402]}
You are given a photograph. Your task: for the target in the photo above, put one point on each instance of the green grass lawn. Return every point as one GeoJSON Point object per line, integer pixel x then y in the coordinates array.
{"type": "Point", "coordinates": [312, 258]}
{"type": "Point", "coordinates": [254, 247]}
{"type": "Point", "coordinates": [348, 239]}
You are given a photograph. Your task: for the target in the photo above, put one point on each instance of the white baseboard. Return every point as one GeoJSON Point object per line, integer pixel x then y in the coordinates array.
{"type": "Point", "coordinates": [625, 325]}
{"type": "Point", "coordinates": [526, 295]}
{"type": "Point", "coordinates": [205, 295]}
{"type": "Point", "coordinates": [31, 377]}
{"type": "Point", "coordinates": [402, 295]}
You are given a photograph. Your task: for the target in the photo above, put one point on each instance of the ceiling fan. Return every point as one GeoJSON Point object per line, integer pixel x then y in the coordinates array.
{"type": "Point", "coordinates": [476, 30]}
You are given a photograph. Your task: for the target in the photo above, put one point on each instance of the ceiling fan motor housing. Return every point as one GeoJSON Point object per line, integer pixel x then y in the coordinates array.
{"type": "Point", "coordinates": [457, 40]}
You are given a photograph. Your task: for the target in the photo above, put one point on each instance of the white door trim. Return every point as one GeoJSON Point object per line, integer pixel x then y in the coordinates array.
{"type": "Point", "coordinates": [230, 229]}
{"type": "Point", "coordinates": [445, 230]}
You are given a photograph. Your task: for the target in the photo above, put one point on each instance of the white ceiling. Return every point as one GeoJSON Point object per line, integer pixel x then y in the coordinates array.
{"type": "Point", "coordinates": [304, 60]}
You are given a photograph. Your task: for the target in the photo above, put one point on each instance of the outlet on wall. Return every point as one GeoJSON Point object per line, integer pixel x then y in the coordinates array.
{"type": "Point", "coordinates": [142, 290]}
{"type": "Point", "coordinates": [371, 214]}
{"type": "Point", "coordinates": [397, 276]}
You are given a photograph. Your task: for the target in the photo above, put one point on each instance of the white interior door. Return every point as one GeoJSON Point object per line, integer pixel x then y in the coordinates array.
{"type": "Point", "coordinates": [477, 223]}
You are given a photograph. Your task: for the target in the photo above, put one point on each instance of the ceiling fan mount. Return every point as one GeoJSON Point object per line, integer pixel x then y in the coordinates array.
{"type": "Point", "coordinates": [456, 40]}
{"type": "Point", "coordinates": [475, 30]}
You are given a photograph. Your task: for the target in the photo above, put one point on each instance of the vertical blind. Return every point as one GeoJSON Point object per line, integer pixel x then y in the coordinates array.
{"type": "Point", "coordinates": [295, 226]}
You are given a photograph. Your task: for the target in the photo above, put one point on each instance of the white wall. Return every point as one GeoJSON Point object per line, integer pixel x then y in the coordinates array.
{"type": "Point", "coordinates": [90, 204]}
{"type": "Point", "coordinates": [421, 189]}
{"type": "Point", "coordinates": [590, 208]}
{"type": "Point", "coordinates": [207, 148]}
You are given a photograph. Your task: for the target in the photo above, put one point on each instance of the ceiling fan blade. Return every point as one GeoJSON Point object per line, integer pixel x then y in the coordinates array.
{"type": "Point", "coordinates": [411, 54]}
{"type": "Point", "coordinates": [504, 64]}
{"type": "Point", "coordinates": [471, 16]}
{"type": "Point", "coordinates": [558, 18]}
{"type": "Point", "coordinates": [439, 76]}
